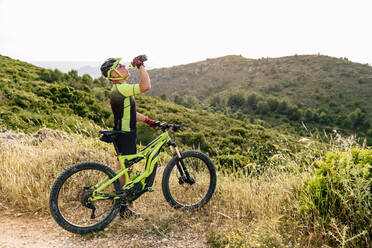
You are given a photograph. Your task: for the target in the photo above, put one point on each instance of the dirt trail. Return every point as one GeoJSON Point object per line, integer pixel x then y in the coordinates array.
{"type": "Point", "coordinates": [20, 230]}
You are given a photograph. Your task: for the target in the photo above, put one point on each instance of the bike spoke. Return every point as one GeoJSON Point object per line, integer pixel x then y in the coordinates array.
{"type": "Point", "coordinates": [190, 194]}
{"type": "Point", "coordinates": [71, 194]}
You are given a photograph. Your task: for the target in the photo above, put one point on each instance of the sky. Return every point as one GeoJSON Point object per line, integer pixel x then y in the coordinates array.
{"type": "Point", "coordinates": [173, 32]}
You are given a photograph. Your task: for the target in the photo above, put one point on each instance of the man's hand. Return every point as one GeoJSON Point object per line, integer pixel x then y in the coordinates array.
{"type": "Point", "coordinates": [152, 123]}
{"type": "Point", "coordinates": [138, 61]}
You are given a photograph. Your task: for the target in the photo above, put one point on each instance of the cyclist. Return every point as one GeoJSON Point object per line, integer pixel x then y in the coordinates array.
{"type": "Point", "coordinates": [124, 109]}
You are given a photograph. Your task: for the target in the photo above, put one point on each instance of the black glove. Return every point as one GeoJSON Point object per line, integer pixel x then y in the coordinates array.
{"type": "Point", "coordinates": [138, 61]}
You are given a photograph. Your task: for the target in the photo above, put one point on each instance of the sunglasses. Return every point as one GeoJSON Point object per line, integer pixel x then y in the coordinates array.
{"type": "Point", "coordinates": [115, 68]}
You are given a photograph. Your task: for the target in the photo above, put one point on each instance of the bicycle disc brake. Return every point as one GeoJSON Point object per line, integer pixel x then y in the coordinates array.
{"type": "Point", "coordinates": [86, 202]}
{"type": "Point", "coordinates": [185, 176]}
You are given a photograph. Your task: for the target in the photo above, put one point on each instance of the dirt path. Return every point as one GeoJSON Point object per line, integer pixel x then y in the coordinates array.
{"type": "Point", "coordinates": [20, 230]}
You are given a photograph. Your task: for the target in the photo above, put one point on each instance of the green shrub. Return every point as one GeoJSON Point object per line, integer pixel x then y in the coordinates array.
{"type": "Point", "coordinates": [234, 161]}
{"type": "Point", "coordinates": [236, 100]}
{"type": "Point", "coordinates": [238, 131]}
{"type": "Point", "coordinates": [340, 192]}
{"type": "Point", "coordinates": [252, 100]}
{"type": "Point", "coordinates": [237, 140]}
{"type": "Point", "coordinates": [196, 140]}
{"type": "Point", "coordinates": [262, 107]}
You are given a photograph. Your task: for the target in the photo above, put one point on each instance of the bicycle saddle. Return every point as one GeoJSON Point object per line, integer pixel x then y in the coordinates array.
{"type": "Point", "coordinates": [109, 136]}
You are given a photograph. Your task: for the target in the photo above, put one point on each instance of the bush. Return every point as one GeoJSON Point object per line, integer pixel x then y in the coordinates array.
{"type": "Point", "coordinates": [252, 100]}
{"type": "Point", "coordinates": [282, 107]}
{"type": "Point", "coordinates": [262, 107]}
{"type": "Point", "coordinates": [215, 101]}
{"type": "Point", "coordinates": [233, 162]}
{"type": "Point", "coordinates": [340, 192]}
{"type": "Point", "coordinates": [308, 115]}
{"type": "Point", "coordinates": [273, 103]}
{"type": "Point", "coordinates": [236, 100]}
{"type": "Point", "coordinates": [196, 140]}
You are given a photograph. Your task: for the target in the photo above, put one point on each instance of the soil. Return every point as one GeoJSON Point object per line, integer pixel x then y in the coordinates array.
{"type": "Point", "coordinates": [22, 230]}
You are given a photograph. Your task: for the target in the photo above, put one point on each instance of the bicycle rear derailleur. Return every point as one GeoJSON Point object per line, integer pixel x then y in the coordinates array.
{"type": "Point", "coordinates": [85, 200]}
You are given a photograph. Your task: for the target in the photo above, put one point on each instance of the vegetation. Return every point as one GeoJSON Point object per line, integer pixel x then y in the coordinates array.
{"type": "Point", "coordinates": [339, 194]}
{"type": "Point", "coordinates": [277, 208]}
{"type": "Point", "coordinates": [320, 91]}
{"type": "Point", "coordinates": [30, 103]}
{"type": "Point", "coordinates": [275, 189]}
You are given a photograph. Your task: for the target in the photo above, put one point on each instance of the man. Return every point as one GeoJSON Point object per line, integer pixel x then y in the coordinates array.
{"type": "Point", "coordinates": [123, 107]}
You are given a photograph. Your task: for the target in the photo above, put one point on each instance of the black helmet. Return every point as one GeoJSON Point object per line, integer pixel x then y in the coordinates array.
{"type": "Point", "coordinates": [109, 65]}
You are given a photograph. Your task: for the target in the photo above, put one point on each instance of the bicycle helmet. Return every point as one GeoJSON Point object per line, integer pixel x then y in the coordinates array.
{"type": "Point", "coordinates": [110, 65]}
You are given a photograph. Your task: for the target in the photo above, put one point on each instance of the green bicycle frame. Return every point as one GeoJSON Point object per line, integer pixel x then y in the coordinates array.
{"type": "Point", "coordinates": [150, 152]}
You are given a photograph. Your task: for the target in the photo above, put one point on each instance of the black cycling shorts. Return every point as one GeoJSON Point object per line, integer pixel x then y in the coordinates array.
{"type": "Point", "coordinates": [126, 143]}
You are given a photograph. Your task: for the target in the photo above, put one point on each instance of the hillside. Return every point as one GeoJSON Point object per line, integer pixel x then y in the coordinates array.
{"type": "Point", "coordinates": [321, 91]}
{"type": "Point", "coordinates": [311, 80]}
{"type": "Point", "coordinates": [32, 97]}
{"type": "Point", "coordinates": [273, 190]}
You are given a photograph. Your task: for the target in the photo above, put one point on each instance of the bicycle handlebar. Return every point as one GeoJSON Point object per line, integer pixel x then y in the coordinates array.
{"type": "Point", "coordinates": [165, 126]}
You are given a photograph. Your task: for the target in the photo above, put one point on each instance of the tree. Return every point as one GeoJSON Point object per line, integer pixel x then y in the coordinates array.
{"type": "Point", "coordinates": [56, 76]}
{"type": "Point", "coordinates": [179, 100]}
{"type": "Point", "coordinates": [262, 107]}
{"type": "Point", "coordinates": [347, 123]}
{"type": "Point", "coordinates": [164, 97]}
{"type": "Point", "coordinates": [44, 75]}
{"type": "Point", "coordinates": [215, 101]}
{"type": "Point", "coordinates": [324, 118]}
{"type": "Point", "coordinates": [359, 119]}
{"type": "Point", "coordinates": [282, 107]}
{"type": "Point", "coordinates": [294, 113]}
{"type": "Point", "coordinates": [73, 74]}
{"type": "Point", "coordinates": [273, 103]}
{"type": "Point", "coordinates": [87, 79]}
{"type": "Point", "coordinates": [190, 102]}
{"type": "Point", "coordinates": [308, 115]}
{"type": "Point", "coordinates": [252, 100]}
{"type": "Point", "coordinates": [236, 100]}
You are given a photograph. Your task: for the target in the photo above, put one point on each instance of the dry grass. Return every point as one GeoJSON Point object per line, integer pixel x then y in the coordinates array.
{"type": "Point", "coordinates": [30, 165]}
{"type": "Point", "coordinates": [253, 211]}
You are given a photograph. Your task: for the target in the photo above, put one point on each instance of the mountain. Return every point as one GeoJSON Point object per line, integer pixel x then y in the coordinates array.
{"type": "Point", "coordinates": [321, 91]}
{"type": "Point", "coordinates": [92, 71]}
{"type": "Point", "coordinates": [310, 80]}
{"type": "Point", "coordinates": [82, 67]}
{"type": "Point", "coordinates": [269, 186]}
{"type": "Point", "coordinates": [32, 97]}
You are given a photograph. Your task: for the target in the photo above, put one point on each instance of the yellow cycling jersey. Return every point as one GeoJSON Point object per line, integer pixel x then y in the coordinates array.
{"type": "Point", "coordinates": [123, 106]}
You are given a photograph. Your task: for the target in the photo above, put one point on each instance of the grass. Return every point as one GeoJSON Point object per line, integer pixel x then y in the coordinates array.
{"type": "Point", "coordinates": [245, 211]}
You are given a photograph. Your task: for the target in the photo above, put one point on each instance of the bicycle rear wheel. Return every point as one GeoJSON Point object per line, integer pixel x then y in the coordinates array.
{"type": "Point", "coordinates": [194, 193]}
{"type": "Point", "coordinates": [69, 204]}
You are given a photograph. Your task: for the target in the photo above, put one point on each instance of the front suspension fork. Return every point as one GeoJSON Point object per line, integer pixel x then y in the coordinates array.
{"type": "Point", "coordinates": [185, 175]}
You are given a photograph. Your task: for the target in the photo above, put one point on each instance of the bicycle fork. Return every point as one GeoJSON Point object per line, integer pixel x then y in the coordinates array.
{"type": "Point", "coordinates": [182, 169]}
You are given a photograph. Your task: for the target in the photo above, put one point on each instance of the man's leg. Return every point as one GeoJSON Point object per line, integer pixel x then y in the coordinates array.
{"type": "Point", "coordinates": [127, 146]}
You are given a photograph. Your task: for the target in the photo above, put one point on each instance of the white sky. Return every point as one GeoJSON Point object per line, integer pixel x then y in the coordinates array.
{"type": "Point", "coordinates": [175, 32]}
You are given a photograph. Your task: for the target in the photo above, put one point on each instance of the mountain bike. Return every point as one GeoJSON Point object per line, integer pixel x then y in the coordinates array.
{"type": "Point", "coordinates": [87, 196]}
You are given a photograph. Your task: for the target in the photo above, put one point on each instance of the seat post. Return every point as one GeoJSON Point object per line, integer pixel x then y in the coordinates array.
{"type": "Point", "coordinates": [116, 147]}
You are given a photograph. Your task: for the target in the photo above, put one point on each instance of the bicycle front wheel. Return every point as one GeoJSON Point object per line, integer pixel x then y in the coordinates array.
{"type": "Point", "coordinates": [193, 191]}
{"type": "Point", "coordinates": [69, 198]}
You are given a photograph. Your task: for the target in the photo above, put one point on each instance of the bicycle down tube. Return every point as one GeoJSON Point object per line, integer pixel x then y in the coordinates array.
{"type": "Point", "coordinates": [150, 152]}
